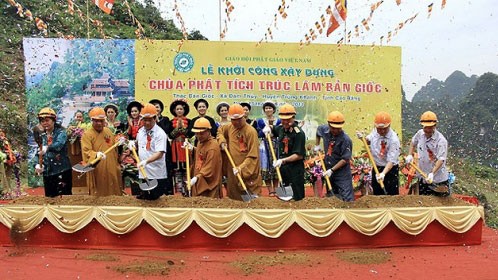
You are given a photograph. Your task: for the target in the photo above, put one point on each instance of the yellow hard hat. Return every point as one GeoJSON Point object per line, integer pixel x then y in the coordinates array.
{"type": "Point", "coordinates": [236, 111]}
{"type": "Point", "coordinates": [97, 113]}
{"type": "Point", "coordinates": [286, 111]}
{"type": "Point", "coordinates": [47, 113]}
{"type": "Point", "coordinates": [201, 124]}
{"type": "Point", "coordinates": [428, 118]}
{"type": "Point", "coordinates": [336, 119]}
{"type": "Point", "coordinates": [148, 111]}
{"type": "Point", "coordinates": [382, 120]}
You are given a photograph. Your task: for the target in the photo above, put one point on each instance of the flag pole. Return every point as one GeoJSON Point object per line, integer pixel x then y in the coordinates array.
{"type": "Point", "coordinates": [219, 20]}
{"type": "Point", "coordinates": [87, 22]}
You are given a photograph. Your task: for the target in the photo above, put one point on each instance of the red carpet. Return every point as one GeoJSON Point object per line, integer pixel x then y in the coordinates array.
{"type": "Point", "coordinates": [441, 262]}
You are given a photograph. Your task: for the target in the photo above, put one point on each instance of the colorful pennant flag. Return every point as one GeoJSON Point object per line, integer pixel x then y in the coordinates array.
{"type": "Point", "coordinates": [429, 10]}
{"type": "Point", "coordinates": [338, 15]}
{"type": "Point", "coordinates": [104, 5]}
{"type": "Point", "coordinates": [365, 24]}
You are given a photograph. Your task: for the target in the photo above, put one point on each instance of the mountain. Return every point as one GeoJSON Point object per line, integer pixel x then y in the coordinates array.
{"type": "Point", "coordinates": [440, 97]}
{"type": "Point", "coordinates": [452, 89]}
{"type": "Point", "coordinates": [474, 130]}
{"type": "Point", "coordinates": [466, 108]}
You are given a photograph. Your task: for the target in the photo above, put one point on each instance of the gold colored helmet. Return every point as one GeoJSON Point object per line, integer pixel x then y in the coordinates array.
{"type": "Point", "coordinates": [201, 124]}
{"type": "Point", "coordinates": [148, 111]}
{"type": "Point", "coordinates": [47, 113]}
{"type": "Point", "coordinates": [428, 118]}
{"type": "Point", "coordinates": [336, 119]}
{"type": "Point", "coordinates": [236, 111]}
{"type": "Point", "coordinates": [286, 111]}
{"type": "Point", "coordinates": [97, 113]}
{"type": "Point", "coordinates": [382, 120]}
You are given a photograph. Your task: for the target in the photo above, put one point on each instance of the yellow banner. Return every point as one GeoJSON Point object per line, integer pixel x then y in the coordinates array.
{"type": "Point", "coordinates": [359, 81]}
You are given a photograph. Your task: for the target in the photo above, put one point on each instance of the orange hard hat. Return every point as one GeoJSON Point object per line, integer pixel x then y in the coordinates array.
{"type": "Point", "coordinates": [148, 111]}
{"type": "Point", "coordinates": [428, 118]}
{"type": "Point", "coordinates": [382, 120]}
{"type": "Point", "coordinates": [286, 111]}
{"type": "Point", "coordinates": [201, 124]}
{"type": "Point", "coordinates": [97, 113]}
{"type": "Point", "coordinates": [236, 111]}
{"type": "Point", "coordinates": [47, 113]}
{"type": "Point", "coordinates": [336, 119]}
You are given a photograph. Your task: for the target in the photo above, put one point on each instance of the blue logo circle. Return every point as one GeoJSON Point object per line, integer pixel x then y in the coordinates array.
{"type": "Point", "coordinates": [184, 62]}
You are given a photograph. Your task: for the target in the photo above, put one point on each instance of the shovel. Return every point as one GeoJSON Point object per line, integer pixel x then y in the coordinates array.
{"type": "Point", "coordinates": [187, 163]}
{"type": "Point", "coordinates": [148, 184]}
{"type": "Point", "coordinates": [284, 193]}
{"type": "Point", "coordinates": [436, 188]}
{"type": "Point", "coordinates": [381, 183]}
{"type": "Point", "coordinates": [247, 196]}
{"type": "Point", "coordinates": [84, 168]}
{"type": "Point", "coordinates": [329, 185]}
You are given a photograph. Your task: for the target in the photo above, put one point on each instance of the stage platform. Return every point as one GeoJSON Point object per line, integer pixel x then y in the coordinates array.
{"type": "Point", "coordinates": [115, 227]}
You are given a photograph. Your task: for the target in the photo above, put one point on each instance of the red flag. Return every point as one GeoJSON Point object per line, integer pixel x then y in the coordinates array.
{"type": "Point", "coordinates": [104, 5]}
{"type": "Point", "coordinates": [338, 15]}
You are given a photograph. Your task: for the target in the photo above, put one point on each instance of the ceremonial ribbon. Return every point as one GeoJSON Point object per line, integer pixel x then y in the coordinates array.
{"type": "Point", "coordinates": [286, 144]}
{"type": "Point", "coordinates": [383, 148]}
{"type": "Point", "coordinates": [330, 149]}
{"type": "Point", "coordinates": [242, 145]}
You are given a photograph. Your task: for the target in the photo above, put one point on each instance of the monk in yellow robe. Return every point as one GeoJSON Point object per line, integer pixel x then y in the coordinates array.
{"type": "Point", "coordinates": [206, 169]}
{"type": "Point", "coordinates": [241, 140]}
{"type": "Point", "coordinates": [105, 179]}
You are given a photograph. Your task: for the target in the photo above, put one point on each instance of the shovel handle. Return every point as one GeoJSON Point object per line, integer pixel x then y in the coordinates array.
{"type": "Point", "coordinates": [412, 164]}
{"type": "Point", "coordinates": [95, 160]}
{"type": "Point", "coordinates": [141, 168]}
{"type": "Point", "coordinates": [329, 185]}
{"type": "Point", "coordinates": [233, 166]}
{"type": "Point", "coordinates": [270, 144]}
{"type": "Point", "coordinates": [381, 183]}
{"type": "Point", "coordinates": [187, 163]}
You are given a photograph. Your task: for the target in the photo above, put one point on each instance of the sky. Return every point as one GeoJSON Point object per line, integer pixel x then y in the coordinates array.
{"type": "Point", "coordinates": [461, 36]}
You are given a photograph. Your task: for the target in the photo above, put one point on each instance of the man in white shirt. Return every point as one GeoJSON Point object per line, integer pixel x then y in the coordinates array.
{"type": "Point", "coordinates": [151, 140]}
{"type": "Point", "coordinates": [432, 150]}
{"type": "Point", "coordinates": [385, 147]}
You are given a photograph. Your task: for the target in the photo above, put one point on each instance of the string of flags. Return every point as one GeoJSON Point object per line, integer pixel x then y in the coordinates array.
{"type": "Point", "coordinates": [281, 11]}
{"type": "Point", "coordinates": [180, 19]}
{"type": "Point", "coordinates": [228, 10]}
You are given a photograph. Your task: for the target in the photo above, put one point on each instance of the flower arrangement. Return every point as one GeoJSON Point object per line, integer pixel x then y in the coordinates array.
{"type": "Point", "coordinates": [74, 133]}
{"type": "Point", "coordinates": [362, 175]}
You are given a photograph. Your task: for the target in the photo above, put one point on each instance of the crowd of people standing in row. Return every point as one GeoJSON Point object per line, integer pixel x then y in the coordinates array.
{"type": "Point", "coordinates": [201, 156]}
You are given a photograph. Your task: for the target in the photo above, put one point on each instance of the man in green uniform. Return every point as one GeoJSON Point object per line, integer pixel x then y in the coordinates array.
{"type": "Point", "coordinates": [291, 146]}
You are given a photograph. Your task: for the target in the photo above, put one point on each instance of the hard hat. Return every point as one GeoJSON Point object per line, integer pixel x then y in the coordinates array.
{"type": "Point", "coordinates": [235, 111]}
{"type": "Point", "coordinates": [47, 113]}
{"type": "Point", "coordinates": [382, 120]}
{"type": "Point", "coordinates": [148, 111]}
{"type": "Point", "coordinates": [97, 113]}
{"type": "Point", "coordinates": [428, 118]}
{"type": "Point", "coordinates": [336, 119]}
{"type": "Point", "coordinates": [286, 111]}
{"type": "Point", "coordinates": [201, 124]}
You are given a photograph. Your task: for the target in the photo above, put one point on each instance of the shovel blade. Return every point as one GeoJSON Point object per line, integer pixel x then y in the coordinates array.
{"type": "Point", "coordinates": [83, 168]}
{"type": "Point", "coordinates": [148, 185]}
{"type": "Point", "coordinates": [283, 193]}
{"type": "Point", "coordinates": [247, 196]}
{"type": "Point", "coordinates": [439, 188]}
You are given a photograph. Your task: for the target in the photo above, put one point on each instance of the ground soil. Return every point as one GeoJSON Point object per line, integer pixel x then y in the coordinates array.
{"type": "Point", "coordinates": [259, 203]}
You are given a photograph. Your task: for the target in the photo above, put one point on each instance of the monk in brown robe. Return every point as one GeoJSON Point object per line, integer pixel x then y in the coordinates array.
{"type": "Point", "coordinates": [105, 179]}
{"type": "Point", "coordinates": [206, 168]}
{"type": "Point", "coordinates": [241, 140]}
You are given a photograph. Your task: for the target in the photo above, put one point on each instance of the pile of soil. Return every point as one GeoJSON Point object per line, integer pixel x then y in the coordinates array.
{"type": "Point", "coordinates": [259, 203]}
